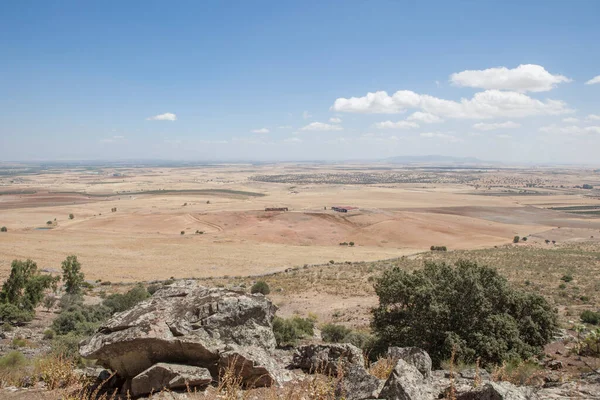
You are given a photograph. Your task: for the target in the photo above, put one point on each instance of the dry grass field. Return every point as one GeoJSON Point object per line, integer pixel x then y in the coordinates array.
{"type": "Point", "coordinates": [400, 212]}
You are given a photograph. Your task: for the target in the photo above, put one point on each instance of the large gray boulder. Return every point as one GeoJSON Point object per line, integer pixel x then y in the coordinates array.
{"type": "Point", "coordinates": [406, 383]}
{"type": "Point", "coordinates": [358, 384]}
{"type": "Point", "coordinates": [182, 324]}
{"type": "Point", "coordinates": [253, 365]}
{"type": "Point", "coordinates": [327, 358]}
{"type": "Point", "coordinates": [169, 376]}
{"type": "Point", "coordinates": [414, 356]}
{"type": "Point", "coordinates": [499, 391]}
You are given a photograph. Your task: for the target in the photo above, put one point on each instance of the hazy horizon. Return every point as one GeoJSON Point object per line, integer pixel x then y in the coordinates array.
{"type": "Point", "coordinates": [507, 82]}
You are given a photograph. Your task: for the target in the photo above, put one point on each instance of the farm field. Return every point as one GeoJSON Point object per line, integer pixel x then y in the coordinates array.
{"type": "Point", "coordinates": [133, 223]}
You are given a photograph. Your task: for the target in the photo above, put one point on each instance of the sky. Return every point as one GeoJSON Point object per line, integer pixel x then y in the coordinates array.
{"type": "Point", "coordinates": [511, 81]}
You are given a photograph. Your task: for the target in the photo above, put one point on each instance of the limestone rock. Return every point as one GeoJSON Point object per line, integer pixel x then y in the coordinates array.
{"type": "Point", "coordinates": [182, 324]}
{"type": "Point", "coordinates": [406, 383]}
{"type": "Point", "coordinates": [326, 358]}
{"type": "Point", "coordinates": [499, 391]}
{"type": "Point", "coordinates": [414, 356]}
{"type": "Point", "coordinates": [358, 384]}
{"type": "Point", "coordinates": [169, 376]}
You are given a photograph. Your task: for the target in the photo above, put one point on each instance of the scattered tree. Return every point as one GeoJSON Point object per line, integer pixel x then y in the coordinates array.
{"type": "Point", "coordinates": [72, 276]}
{"type": "Point", "coordinates": [331, 262]}
{"type": "Point", "coordinates": [183, 232]}
{"type": "Point", "coordinates": [3, 229]}
{"type": "Point", "coordinates": [516, 239]}
{"type": "Point", "coordinates": [72, 216]}
{"type": "Point", "coordinates": [260, 287]}
{"type": "Point", "coordinates": [524, 238]}
{"type": "Point", "coordinates": [438, 248]}
{"type": "Point", "coordinates": [466, 307]}
{"type": "Point", "coordinates": [351, 244]}
{"type": "Point", "coordinates": [49, 223]}
{"type": "Point", "coordinates": [23, 291]}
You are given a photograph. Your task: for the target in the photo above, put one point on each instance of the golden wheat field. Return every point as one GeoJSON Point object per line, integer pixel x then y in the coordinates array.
{"type": "Point", "coordinates": [134, 223]}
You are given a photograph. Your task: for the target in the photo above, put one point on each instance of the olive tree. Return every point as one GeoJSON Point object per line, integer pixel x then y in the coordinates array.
{"type": "Point", "coordinates": [467, 308]}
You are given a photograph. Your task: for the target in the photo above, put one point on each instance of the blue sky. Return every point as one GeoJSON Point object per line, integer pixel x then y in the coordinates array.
{"type": "Point", "coordinates": [267, 80]}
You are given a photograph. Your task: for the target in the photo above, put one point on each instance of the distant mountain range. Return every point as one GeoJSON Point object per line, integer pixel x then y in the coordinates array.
{"type": "Point", "coordinates": [433, 159]}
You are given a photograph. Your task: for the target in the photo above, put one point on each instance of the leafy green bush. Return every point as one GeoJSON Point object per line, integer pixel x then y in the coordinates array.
{"type": "Point", "coordinates": [3, 229]}
{"type": "Point", "coordinates": [516, 239]}
{"type": "Point", "coordinates": [260, 287]}
{"type": "Point", "coordinates": [334, 333]}
{"type": "Point", "coordinates": [14, 359]}
{"type": "Point", "coordinates": [438, 248]}
{"type": "Point", "coordinates": [71, 216]}
{"type": "Point", "coordinates": [567, 278]}
{"type": "Point", "coordinates": [289, 331]}
{"type": "Point", "coordinates": [14, 315]}
{"type": "Point", "coordinates": [468, 308]}
{"type": "Point", "coordinates": [590, 317]}
{"type": "Point", "coordinates": [49, 334]}
{"type": "Point", "coordinates": [120, 302]}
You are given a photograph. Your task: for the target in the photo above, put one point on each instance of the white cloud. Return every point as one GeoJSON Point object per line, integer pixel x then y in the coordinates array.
{"type": "Point", "coordinates": [504, 136]}
{"type": "Point", "coordinates": [572, 130]}
{"type": "Point", "coordinates": [396, 125]}
{"type": "Point", "coordinates": [320, 126]}
{"type": "Point", "coordinates": [487, 104]}
{"type": "Point", "coordinates": [426, 118]}
{"type": "Point", "coordinates": [501, 125]}
{"type": "Point", "coordinates": [438, 135]}
{"type": "Point", "coordinates": [261, 130]}
{"type": "Point", "coordinates": [306, 115]}
{"type": "Point", "coordinates": [593, 117]}
{"type": "Point", "coordinates": [571, 120]}
{"type": "Point", "coordinates": [293, 140]}
{"type": "Point", "coordinates": [593, 81]}
{"type": "Point", "coordinates": [524, 78]}
{"type": "Point", "coordinates": [113, 139]}
{"type": "Point", "coordinates": [163, 117]}
{"type": "Point", "coordinates": [378, 103]}
{"type": "Point", "coordinates": [335, 120]}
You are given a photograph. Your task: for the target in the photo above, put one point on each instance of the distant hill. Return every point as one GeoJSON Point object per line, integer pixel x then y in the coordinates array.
{"type": "Point", "coordinates": [433, 159]}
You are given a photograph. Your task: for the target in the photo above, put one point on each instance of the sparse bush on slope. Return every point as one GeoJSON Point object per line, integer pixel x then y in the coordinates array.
{"type": "Point", "coordinates": [260, 287]}
{"type": "Point", "coordinates": [467, 307]}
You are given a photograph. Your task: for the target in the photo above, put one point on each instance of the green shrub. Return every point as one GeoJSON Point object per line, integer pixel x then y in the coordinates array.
{"type": "Point", "coordinates": [71, 216]}
{"type": "Point", "coordinates": [260, 287]}
{"type": "Point", "coordinates": [562, 286]}
{"type": "Point", "coordinates": [590, 317]}
{"type": "Point", "coordinates": [516, 239]}
{"type": "Point", "coordinates": [567, 278]}
{"type": "Point", "coordinates": [438, 248]}
{"type": "Point", "coordinates": [153, 288]}
{"type": "Point", "coordinates": [120, 302]}
{"type": "Point", "coordinates": [361, 340]}
{"type": "Point", "coordinates": [3, 229]}
{"type": "Point", "coordinates": [14, 359]}
{"type": "Point", "coordinates": [289, 331]}
{"type": "Point", "coordinates": [14, 315]}
{"type": "Point", "coordinates": [331, 262]}
{"type": "Point", "coordinates": [49, 334]}
{"type": "Point", "coordinates": [20, 342]}
{"type": "Point", "coordinates": [466, 307]}
{"type": "Point", "coordinates": [334, 333]}
{"type": "Point", "coordinates": [350, 244]}
{"type": "Point", "coordinates": [524, 238]}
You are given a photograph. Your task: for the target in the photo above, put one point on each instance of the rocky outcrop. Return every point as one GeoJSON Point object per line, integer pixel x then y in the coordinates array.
{"type": "Point", "coordinates": [327, 358]}
{"type": "Point", "coordinates": [406, 383]}
{"type": "Point", "coordinates": [498, 391]}
{"type": "Point", "coordinates": [414, 356]}
{"type": "Point", "coordinates": [169, 376]}
{"type": "Point", "coordinates": [191, 325]}
{"type": "Point", "coordinates": [358, 384]}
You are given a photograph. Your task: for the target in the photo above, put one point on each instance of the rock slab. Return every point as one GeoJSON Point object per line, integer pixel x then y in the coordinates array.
{"type": "Point", "coordinates": [169, 376]}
